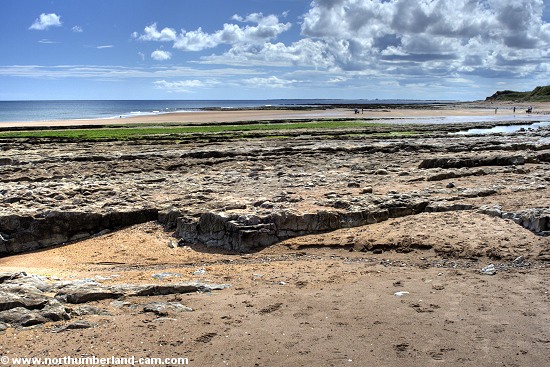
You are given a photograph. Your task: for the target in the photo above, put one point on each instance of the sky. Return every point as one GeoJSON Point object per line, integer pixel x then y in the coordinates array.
{"type": "Point", "coordinates": [271, 49]}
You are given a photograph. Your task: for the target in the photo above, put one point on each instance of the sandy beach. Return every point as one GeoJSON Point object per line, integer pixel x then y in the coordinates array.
{"type": "Point", "coordinates": [385, 249]}
{"type": "Point", "coordinates": [456, 109]}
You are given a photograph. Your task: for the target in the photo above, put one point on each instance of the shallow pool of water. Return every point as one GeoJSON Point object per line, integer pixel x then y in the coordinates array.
{"type": "Point", "coordinates": [504, 128]}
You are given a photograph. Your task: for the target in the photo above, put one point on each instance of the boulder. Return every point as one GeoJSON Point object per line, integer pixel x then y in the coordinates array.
{"type": "Point", "coordinates": [20, 316]}
{"type": "Point", "coordinates": [14, 296]}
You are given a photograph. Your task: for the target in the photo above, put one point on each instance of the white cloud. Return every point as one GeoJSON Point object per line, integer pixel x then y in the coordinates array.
{"type": "Point", "coordinates": [119, 72]}
{"type": "Point", "coordinates": [104, 46]}
{"type": "Point", "coordinates": [269, 82]}
{"type": "Point", "coordinates": [77, 29]}
{"type": "Point", "coordinates": [185, 86]}
{"type": "Point", "coordinates": [45, 21]}
{"type": "Point", "coordinates": [161, 55]}
{"type": "Point", "coordinates": [152, 34]}
{"type": "Point", "coordinates": [266, 28]}
{"type": "Point", "coordinates": [305, 52]}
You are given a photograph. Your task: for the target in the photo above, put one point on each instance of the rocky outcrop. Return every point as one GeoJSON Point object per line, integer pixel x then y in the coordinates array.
{"type": "Point", "coordinates": [536, 220]}
{"type": "Point", "coordinates": [248, 193]}
{"type": "Point", "coordinates": [76, 292]}
{"type": "Point", "coordinates": [27, 300]}
{"type": "Point", "coordinates": [247, 232]}
{"type": "Point", "coordinates": [26, 233]}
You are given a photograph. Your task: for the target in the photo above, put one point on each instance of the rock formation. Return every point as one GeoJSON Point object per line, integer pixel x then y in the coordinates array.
{"type": "Point", "coordinates": [27, 300]}
{"type": "Point", "coordinates": [242, 194]}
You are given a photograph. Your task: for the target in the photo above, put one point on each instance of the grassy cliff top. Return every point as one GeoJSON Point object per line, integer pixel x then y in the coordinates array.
{"type": "Point", "coordinates": [539, 94]}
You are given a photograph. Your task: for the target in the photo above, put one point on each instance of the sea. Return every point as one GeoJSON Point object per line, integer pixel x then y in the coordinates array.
{"type": "Point", "coordinates": [95, 109]}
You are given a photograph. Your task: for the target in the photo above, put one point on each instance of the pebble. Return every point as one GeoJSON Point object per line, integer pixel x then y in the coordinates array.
{"type": "Point", "coordinates": [489, 270]}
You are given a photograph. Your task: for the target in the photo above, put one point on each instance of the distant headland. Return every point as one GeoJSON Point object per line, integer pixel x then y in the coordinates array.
{"type": "Point", "coordinates": [539, 94]}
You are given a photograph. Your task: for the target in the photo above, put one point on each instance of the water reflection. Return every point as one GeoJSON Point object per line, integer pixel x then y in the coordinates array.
{"type": "Point", "coordinates": [504, 129]}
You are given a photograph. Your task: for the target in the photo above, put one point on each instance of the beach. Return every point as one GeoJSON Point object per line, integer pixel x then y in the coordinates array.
{"type": "Point", "coordinates": [473, 109]}
{"type": "Point", "coordinates": [374, 245]}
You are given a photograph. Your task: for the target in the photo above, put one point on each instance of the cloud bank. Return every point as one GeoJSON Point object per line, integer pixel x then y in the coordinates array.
{"type": "Point", "coordinates": [492, 38]}
{"type": "Point", "coordinates": [440, 36]}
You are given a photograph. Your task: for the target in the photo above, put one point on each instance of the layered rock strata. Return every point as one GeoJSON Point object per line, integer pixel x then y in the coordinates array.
{"type": "Point", "coordinates": [242, 194]}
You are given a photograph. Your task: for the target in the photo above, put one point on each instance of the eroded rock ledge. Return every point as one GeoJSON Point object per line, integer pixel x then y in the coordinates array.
{"type": "Point", "coordinates": [248, 193]}
{"type": "Point", "coordinates": [249, 232]}
{"type": "Point", "coordinates": [27, 300]}
{"type": "Point", "coordinates": [26, 233]}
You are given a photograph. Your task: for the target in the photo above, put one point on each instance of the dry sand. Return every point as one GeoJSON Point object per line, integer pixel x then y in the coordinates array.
{"type": "Point", "coordinates": [308, 301]}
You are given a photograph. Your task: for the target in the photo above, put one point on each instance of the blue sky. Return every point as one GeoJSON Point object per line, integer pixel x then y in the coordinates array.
{"type": "Point", "coordinates": [259, 49]}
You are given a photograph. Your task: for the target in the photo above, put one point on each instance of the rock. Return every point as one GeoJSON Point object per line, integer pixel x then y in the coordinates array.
{"type": "Point", "coordinates": [32, 280]}
{"type": "Point", "coordinates": [164, 289]}
{"type": "Point", "coordinates": [367, 190]}
{"type": "Point", "coordinates": [94, 292]}
{"type": "Point", "coordinates": [478, 192]}
{"type": "Point", "coordinates": [400, 293]}
{"type": "Point", "coordinates": [89, 310]}
{"type": "Point", "coordinates": [491, 210]}
{"type": "Point", "coordinates": [14, 296]}
{"type": "Point", "coordinates": [267, 205]}
{"type": "Point", "coordinates": [74, 326]}
{"type": "Point", "coordinates": [459, 162]}
{"type": "Point", "coordinates": [10, 276]}
{"type": "Point", "coordinates": [519, 260]}
{"type": "Point", "coordinates": [87, 293]}
{"type": "Point", "coordinates": [164, 308]}
{"type": "Point", "coordinates": [444, 206]}
{"type": "Point", "coordinates": [489, 270]}
{"type": "Point", "coordinates": [121, 304]}
{"type": "Point", "coordinates": [536, 220]}
{"type": "Point", "coordinates": [163, 276]}
{"type": "Point", "coordinates": [544, 255]}
{"type": "Point", "coordinates": [54, 311]}
{"type": "Point", "coordinates": [20, 316]}
{"type": "Point", "coordinates": [27, 233]}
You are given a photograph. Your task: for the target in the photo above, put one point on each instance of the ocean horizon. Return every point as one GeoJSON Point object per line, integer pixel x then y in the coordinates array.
{"type": "Point", "coordinates": [55, 110]}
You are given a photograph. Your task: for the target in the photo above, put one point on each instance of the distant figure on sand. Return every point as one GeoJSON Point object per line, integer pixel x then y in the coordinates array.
{"type": "Point", "coordinates": [529, 109]}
